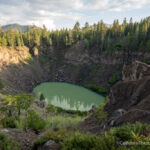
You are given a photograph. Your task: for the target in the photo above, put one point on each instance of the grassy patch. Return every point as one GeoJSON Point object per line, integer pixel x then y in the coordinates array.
{"type": "Point", "coordinates": [110, 140]}
{"type": "Point", "coordinates": [61, 122]}
{"type": "Point", "coordinates": [34, 122]}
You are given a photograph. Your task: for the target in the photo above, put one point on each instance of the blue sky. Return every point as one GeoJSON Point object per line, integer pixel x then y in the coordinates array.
{"type": "Point", "coordinates": [56, 14]}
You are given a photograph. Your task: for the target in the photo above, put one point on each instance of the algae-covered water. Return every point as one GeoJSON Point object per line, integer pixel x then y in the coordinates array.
{"type": "Point", "coordinates": [68, 96]}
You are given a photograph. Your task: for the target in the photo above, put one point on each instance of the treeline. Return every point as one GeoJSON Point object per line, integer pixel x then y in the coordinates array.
{"type": "Point", "coordinates": [128, 35]}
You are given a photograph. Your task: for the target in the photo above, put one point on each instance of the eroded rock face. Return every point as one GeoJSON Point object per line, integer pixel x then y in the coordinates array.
{"type": "Point", "coordinates": [129, 100]}
{"type": "Point", "coordinates": [10, 56]}
{"type": "Point", "coordinates": [132, 95]}
{"type": "Point", "coordinates": [136, 71]}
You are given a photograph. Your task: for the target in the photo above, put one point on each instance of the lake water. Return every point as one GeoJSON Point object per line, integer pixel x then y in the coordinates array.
{"type": "Point", "coordinates": [68, 96]}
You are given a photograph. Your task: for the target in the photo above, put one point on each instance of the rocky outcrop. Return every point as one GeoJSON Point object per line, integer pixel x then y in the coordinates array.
{"type": "Point", "coordinates": [131, 95]}
{"type": "Point", "coordinates": [10, 56]}
{"type": "Point", "coordinates": [135, 71]}
{"type": "Point", "coordinates": [19, 71]}
{"type": "Point", "coordinates": [129, 100]}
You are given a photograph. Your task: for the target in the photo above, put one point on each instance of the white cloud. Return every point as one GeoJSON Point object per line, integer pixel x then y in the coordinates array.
{"type": "Point", "coordinates": [71, 16]}
{"type": "Point", "coordinates": [49, 12]}
{"type": "Point", "coordinates": [40, 22]}
{"type": "Point", "coordinates": [115, 5]}
{"type": "Point", "coordinates": [39, 12]}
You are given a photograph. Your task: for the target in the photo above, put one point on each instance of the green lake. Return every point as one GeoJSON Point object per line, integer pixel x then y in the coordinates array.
{"type": "Point", "coordinates": [68, 96]}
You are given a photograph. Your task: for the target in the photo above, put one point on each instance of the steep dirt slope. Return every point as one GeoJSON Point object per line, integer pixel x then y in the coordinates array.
{"type": "Point", "coordinates": [20, 71]}
{"type": "Point", "coordinates": [129, 100]}
{"type": "Point", "coordinates": [131, 95]}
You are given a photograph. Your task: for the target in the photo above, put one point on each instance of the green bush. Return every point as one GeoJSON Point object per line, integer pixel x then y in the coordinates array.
{"type": "Point", "coordinates": [101, 89]}
{"type": "Point", "coordinates": [20, 124]}
{"type": "Point", "coordinates": [99, 112]}
{"type": "Point", "coordinates": [42, 97]}
{"type": "Point", "coordinates": [52, 109]}
{"type": "Point", "coordinates": [56, 136]}
{"type": "Point", "coordinates": [109, 140]}
{"type": "Point", "coordinates": [127, 132]}
{"type": "Point", "coordinates": [12, 105]}
{"type": "Point", "coordinates": [6, 143]}
{"type": "Point", "coordinates": [1, 84]}
{"type": "Point", "coordinates": [70, 140]}
{"type": "Point", "coordinates": [7, 106]}
{"type": "Point", "coordinates": [34, 122]}
{"type": "Point", "coordinates": [82, 142]}
{"type": "Point", "coordinates": [117, 47]}
{"type": "Point", "coordinates": [22, 102]}
{"type": "Point", "coordinates": [9, 122]}
{"type": "Point", "coordinates": [114, 78]}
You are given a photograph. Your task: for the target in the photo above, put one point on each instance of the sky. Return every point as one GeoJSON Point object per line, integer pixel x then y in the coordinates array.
{"type": "Point", "coordinates": [57, 14]}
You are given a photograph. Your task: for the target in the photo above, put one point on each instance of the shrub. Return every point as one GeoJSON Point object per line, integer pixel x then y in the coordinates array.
{"type": "Point", "coordinates": [22, 102]}
{"type": "Point", "coordinates": [76, 141]}
{"type": "Point", "coordinates": [99, 112]}
{"type": "Point", "coordinates": [34, 122]}
{"type": "Point", "coordinates": [7, 106]}
{"type": "Point", "coordinates": [19, 124]}
{"type": "Point", "coordinates": [101, 89]}
{"type": "Point", "coordinates": [82, 142]}
{"type": "Point", "coordinates": [51, 109]}
{"type": "Point", "coordinates": [6, 143]}
{"type": "Point", "coordinates": [42, 97]}
{"type": "Point", "coordinates": [127, 132]}
{"type": "Point", "coordinates": [1, 84]}
{"type": "Point", "coordinates": [56, 136]}
{"type": "Point", "coordinates": [114, 78]}
{"type": "Point", "coordinates": [9, 122]}
{"type": "Point", "coordinates": [107, 141]}
{"type": "Point", "coordinates": [117, 47]}
{"type": "Point", "coordinates": [12, 105]}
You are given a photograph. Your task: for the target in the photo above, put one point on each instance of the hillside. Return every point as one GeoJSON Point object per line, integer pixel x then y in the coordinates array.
{"type": "Point", "coordinates": [128, 101]}
{"type": "Point", "coordinates": [39, 126]}
{"type": "Point", "coordinates": [20, 28]}
{"type": "Point", "coordinates": [22, 71]}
